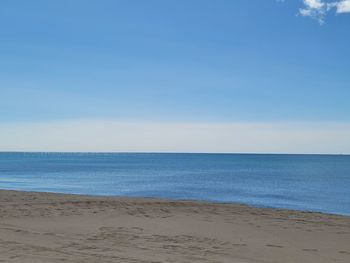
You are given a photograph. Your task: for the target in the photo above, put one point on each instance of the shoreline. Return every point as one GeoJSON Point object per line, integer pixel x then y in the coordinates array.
{"type": "Point", "coordinates": [233, 203]}
{"type": "Point", "coordinates": [53, 227]}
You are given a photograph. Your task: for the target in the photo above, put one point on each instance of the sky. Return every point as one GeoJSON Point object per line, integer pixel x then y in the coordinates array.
{"type": "Point", "coordinates": [175, 75]}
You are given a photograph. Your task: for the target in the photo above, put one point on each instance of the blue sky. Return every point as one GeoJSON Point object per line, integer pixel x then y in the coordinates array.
{"type": "Point", "coordinates": [174, 61]}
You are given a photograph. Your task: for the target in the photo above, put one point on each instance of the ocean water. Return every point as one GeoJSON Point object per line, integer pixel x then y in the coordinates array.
{"type": "Point", "coordinates": [303, 182]}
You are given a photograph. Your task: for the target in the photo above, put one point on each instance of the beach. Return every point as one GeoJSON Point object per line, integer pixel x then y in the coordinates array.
{"type": "Point", "coordinates": [47, 227]}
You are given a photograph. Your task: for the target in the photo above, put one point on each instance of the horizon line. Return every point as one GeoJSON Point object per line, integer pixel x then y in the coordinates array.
{"type": "Point", "coordinates": [170, 152]}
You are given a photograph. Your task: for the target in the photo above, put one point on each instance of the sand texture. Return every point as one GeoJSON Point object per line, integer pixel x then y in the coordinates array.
{"type": "Point", "coordinates": [41, 227]}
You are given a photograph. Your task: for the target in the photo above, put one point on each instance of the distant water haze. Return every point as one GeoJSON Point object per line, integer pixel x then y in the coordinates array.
{"type": "Point", "coordinates": [127, 136]}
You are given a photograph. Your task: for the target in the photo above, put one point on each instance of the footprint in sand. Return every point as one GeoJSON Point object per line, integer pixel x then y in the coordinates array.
{"type": "Point", "coordinates": [275, 246]}
{"type": "Point", "coordinates": [310, 249]}
{"type": "Point", "coordinates": [239, 245]}
{"type": "Point", "coordinates": [342, 233]}
{"type": "Point", "coordinates": [137, 228]}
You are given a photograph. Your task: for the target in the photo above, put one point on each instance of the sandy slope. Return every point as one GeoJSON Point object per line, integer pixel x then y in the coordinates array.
{"type": "Point", "coordinates": [40, 227]}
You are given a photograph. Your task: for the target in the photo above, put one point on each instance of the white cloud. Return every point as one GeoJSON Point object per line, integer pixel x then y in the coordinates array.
{"type": "Point", "coordinates": [316, 4]}
{"type": "Point", "coordinates": [343, 6]}
{"type": "Point", "coordinates": [113, 135]}
{"type": "Point", "coordinates": [318, 9]}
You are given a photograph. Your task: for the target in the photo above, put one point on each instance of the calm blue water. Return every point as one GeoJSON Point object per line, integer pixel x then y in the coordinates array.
{"type": "Point", "coordinates": [304, 182]}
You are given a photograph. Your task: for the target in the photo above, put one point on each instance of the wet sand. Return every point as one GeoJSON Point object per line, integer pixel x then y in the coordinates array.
{"type": "Point", "coordinates": [43, 227]}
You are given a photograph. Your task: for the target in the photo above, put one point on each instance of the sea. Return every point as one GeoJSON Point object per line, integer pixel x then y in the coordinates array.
{"type": "Point", "coordinates": [302, 182]}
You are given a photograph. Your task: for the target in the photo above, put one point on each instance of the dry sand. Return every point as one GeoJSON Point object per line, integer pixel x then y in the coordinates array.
{"type": "Point", "coordinates": [41, 227]}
